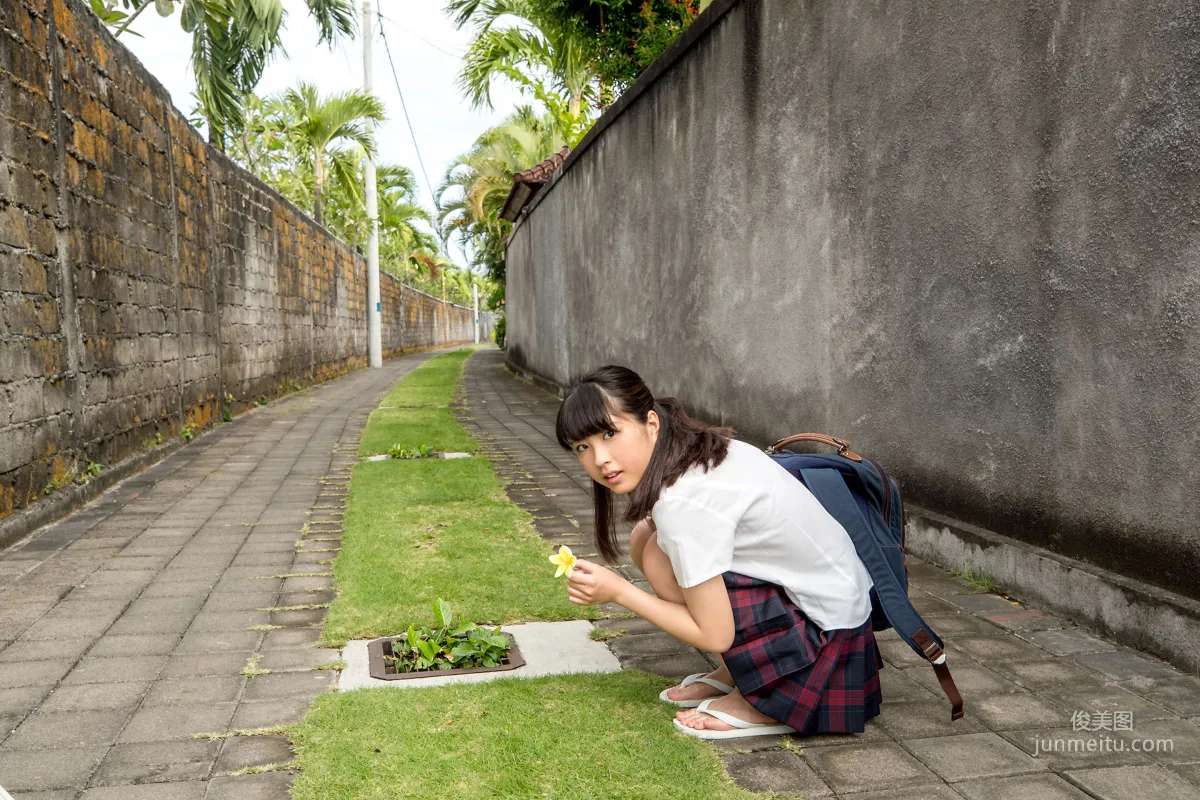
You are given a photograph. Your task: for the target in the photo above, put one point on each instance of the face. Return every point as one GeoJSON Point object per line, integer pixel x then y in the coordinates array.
{"type": "Point", "coordinates": [626, 450]}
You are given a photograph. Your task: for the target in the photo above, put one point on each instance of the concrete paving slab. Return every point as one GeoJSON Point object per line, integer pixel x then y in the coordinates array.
{"type": "Point", "coordinates": [243, 752]}
{"type": "Point", "coordinates": [97, 697]}
{"type": "Point", "coordinates": [1132, 783]}
{"type": "Point", "coordinates": [1123, 665]}
{"type": "Point", "coordinates": [267, 786]}
{"type": "Point", "coordinates": [58, 768]}
{"type": "Point", "coordinates": [1065, 748]}
{"type": "Point", "coordinates": [1068, 642]}
{"type": "Point", "coordinates": [868, 767]}
{"type": "Point", "coordinates": [45, 729]}
{"type": "Point", "coordinates": [157, 762]}
{"type": "Point", "coordinates": [1025, 787]}
{"type": "Point", "coordinates": [972, 755]}
{"type": "Point", "coordinates": [549, 648]}
{"type": "Point", "coordinates": [779, 771]}
{"type": "Point", "coordinates": [182, 721]}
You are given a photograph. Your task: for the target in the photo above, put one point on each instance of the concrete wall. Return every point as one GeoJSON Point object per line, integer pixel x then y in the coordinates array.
{"type": "Point", "coordinates": [965, 236]}
{"type": "Point", "coordinates": [143, 276]}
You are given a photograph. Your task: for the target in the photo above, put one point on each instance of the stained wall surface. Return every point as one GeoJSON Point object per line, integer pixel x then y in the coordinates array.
{"type": "Point", "coordinates": [146, 280]}
{"type": "Point", "coordinates": [966, 236]}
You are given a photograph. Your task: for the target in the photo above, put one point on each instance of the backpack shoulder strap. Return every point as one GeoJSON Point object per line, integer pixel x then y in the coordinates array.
{"type": "Point", "coordinates": [830, 489]}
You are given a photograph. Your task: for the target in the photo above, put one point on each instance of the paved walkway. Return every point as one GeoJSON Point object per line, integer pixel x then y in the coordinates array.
{"type": "Point", "coordinates": [1025, 675]}
{"type": "Point", "coordinates": [125, 628]}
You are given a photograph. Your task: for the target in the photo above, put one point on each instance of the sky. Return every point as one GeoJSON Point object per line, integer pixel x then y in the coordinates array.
{"type": "Point", "coordinates": [426, 50]}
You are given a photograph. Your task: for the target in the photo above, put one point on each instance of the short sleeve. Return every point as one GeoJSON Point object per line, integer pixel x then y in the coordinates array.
{"type": "Point", "coordinates": [697, 538]}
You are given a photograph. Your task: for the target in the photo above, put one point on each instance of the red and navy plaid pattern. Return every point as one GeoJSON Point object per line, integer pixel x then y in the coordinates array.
{"type": "Point", "coordinates": [789, 669]}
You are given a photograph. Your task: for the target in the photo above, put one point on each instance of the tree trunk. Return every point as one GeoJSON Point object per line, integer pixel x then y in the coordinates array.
{"type": "Point", "coordinates": [574, 104]}
{"type": "Point", "coordinates": [319, 175]}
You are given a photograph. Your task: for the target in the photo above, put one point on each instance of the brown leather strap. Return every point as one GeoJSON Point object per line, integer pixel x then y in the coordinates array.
{"type": "Point", "coordinates": [842, 445]}
{"type": "Point", "coordinates": [947, 682]}
{"type": "Point", "coordinates": [933, 652]}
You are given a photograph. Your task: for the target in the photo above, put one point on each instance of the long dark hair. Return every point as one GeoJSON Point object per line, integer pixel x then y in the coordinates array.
{"type": "Point", "coordinates": [588, 409]}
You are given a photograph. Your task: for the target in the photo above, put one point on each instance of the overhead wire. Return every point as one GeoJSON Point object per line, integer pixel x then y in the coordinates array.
{"type": "Point", "coordinates": [396, 77]}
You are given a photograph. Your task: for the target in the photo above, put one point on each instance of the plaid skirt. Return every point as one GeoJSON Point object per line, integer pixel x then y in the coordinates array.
{"type": "Point", "coordinates": [789, 669]}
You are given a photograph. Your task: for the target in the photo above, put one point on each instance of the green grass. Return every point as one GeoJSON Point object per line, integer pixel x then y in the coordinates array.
{"type": "Point", "coordinates": [421, 529]}
{"type": "Point", "coordinates": [412, 427]}
{"type": "Point", "coordinates": [416, 412]}
{"type": "Point", "coordinates": [601, 737]}
{"type": "Point", "coordinates": [979, 581]}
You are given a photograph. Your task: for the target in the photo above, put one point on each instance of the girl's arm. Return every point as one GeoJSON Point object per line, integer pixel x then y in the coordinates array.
{"type": "Point", "coordinates": [706, 622]}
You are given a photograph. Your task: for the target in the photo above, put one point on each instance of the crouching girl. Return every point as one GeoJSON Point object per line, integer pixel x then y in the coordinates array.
{"type": "Point", "coordinates": [743, 560]}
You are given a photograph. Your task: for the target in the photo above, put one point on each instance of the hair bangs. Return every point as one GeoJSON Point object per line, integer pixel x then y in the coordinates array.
{"type": "Point", "coordinates": [584, 413]}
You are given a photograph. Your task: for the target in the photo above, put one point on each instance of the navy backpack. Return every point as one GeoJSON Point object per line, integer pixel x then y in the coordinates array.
{"type": "Point", "coordinates": [860, 494]}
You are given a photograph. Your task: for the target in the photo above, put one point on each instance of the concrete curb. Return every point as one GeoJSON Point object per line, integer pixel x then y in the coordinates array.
{"type": "Point", "coordinates": [1133, 613]}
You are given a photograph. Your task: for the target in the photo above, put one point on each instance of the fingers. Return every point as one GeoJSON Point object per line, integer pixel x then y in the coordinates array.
{"type": "Point", "coordinates": [586, 567]}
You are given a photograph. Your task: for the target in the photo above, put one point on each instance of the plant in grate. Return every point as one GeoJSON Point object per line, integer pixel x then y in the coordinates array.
{"type": "Point", "coordinates": [448, 646]}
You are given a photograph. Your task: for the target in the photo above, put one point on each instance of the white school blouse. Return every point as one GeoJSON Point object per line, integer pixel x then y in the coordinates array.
{"type": "Point", "coordinates": [749, 515]}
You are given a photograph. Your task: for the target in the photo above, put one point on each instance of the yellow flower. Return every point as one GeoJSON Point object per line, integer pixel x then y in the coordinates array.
{"type": "Point", "coordinates": [565, 561]}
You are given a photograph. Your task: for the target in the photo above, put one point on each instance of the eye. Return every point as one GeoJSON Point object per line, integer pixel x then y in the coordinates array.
{"type": "Point", "coordinates": [614, 433]}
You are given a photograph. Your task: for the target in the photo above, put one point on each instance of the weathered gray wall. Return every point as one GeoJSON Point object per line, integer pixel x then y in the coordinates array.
{"type": "Point", "coordinates": [143, 276]}
{"type": "Point", "coordinates": [966, 236]}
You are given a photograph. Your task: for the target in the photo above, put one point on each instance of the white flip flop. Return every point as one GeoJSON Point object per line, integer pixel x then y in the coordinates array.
{"type": "Point", "coordinates": [688, 681]}
{"type": "Point", "coordinates": [740, 726]}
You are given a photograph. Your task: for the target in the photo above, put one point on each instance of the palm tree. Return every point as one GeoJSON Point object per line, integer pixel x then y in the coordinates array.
{"type": "Point", "coordinates": [514, 40]}
{"type": "Point", "coordinates": [317, 122]}
{"type": "Point", "coordinates": [232, 41]}
{"type": "Point", "coordinates": [476, 184]}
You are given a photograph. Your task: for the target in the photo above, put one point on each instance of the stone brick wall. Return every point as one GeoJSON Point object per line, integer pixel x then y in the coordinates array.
{"type": "Point", "coordinates": [145, 278]}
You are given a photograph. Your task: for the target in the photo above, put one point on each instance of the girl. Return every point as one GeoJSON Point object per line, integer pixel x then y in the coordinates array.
{"type": "Point", "coordinates": [743, 560]}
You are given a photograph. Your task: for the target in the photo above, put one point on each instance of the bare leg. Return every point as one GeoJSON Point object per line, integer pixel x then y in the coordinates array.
{"type": "Point", "coordinates": [656, 566]}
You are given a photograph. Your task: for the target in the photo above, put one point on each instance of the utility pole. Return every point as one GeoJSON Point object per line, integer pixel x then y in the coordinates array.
{"type": "Point", "coordinates": [374, 334]}
{"type": "Point", "coordinates": [475, 300]}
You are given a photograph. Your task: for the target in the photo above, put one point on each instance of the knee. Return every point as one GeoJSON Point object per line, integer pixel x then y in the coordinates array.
{"type": "Point", "coordinates": [638, 539]}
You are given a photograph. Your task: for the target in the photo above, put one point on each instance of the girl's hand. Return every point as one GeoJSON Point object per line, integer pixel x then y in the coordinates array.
{"type": "Point", "coordinates": [591, 584]}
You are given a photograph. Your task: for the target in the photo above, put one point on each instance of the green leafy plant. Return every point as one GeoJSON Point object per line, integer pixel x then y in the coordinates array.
{"type": "Point", "coordinates": [188, 432]}
{"type": "Point", "coordinates": [449, 646]}
{"type": "Point", "coordinates": [262, 400]}
{"type": "Point", "coordinates": [397, 451]}
{"type": "Point", "coordinates": [499, 331]}
{"type": "Point", "coordinates": [92, 470]}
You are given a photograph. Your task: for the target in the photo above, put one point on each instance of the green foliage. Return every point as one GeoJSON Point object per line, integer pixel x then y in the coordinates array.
{"type": "Point", "coordinates": [396, 451]}
{"type": "Point", "coordinates": [499, 332]}
{"type": "Point", "coordinates": [232, 42]}
{"type": "Point", "coordinates": [475, 186]}
{"type": "Point", "coordinates": [449, 646]}
{"type": "Point", "coordinates": [92, 471]}
{"type": "Point", "coordinates": [187, 432]}
{"type": "Point", "coordinates": [625, 36]}
{"type": "Point", "coordinates": [979, 581]}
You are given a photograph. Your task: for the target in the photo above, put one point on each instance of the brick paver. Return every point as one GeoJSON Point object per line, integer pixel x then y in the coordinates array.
{"type": "Point", "coordinates": [126, 627]}
{"type": "Point", "coordinates": [1024, 674]}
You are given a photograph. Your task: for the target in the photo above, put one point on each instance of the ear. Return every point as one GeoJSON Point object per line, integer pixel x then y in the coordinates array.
{"type": "Point", "coordinates": [653, 421]}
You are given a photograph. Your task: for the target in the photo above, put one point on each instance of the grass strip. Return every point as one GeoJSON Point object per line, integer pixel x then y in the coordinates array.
{"type": "Point", "coordinates": [602, 737]}
{"type": "Point", "coordinates": [421, 529]}
{"type": "Point", "coordinates": [416, 411]}
{"type": "Point", "coordinates": [412, 427]}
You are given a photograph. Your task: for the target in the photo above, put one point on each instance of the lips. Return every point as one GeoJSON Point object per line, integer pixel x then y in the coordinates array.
{"type": "Point", "coordinates": [615, 477]}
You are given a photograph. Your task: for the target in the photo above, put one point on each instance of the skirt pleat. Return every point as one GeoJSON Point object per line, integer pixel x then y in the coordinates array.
{"type": "Point", "coordinates": [812, 680]}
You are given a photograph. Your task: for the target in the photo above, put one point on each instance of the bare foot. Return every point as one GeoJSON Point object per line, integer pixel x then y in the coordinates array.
{"type": "Point", "coordinates": [733, 704]}
{"type": "Point", "coordinates": [701, 691]}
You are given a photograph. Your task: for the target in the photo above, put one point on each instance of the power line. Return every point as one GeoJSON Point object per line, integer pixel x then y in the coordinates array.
{"type": "Point", "coordinates": [418, 36]}
{"type": "Point", "coordinates": [396, 78]}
